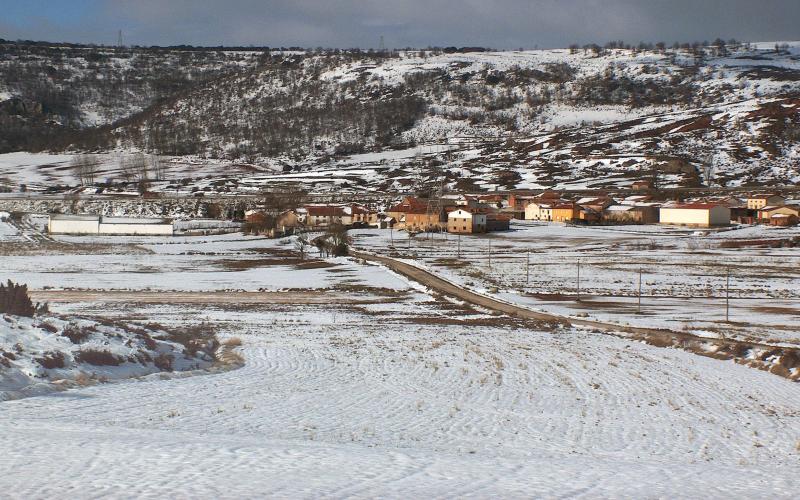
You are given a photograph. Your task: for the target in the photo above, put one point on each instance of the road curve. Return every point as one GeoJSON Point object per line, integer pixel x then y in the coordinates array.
{"type": "Point", "coordinates": [651, 335]}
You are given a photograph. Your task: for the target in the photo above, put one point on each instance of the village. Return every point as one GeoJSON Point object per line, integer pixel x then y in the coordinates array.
{"type": "Point", "coordinates": [460, 214]}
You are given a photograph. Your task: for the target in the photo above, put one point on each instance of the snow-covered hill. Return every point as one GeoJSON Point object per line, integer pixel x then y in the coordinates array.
{"type": "Point", "coordinates": [564, 118]}
{"type": "Point", "coordinates": [38, 355]}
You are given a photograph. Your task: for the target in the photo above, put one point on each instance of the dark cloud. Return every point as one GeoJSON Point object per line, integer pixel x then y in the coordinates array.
{"type": "Point", "coordinates": [349, 23]}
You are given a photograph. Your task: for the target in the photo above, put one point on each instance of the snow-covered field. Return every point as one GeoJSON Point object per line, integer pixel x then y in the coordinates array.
{"type": "Point", "coordinates": [404, 394]}
{"type": "Point", "coordinates": [684, 274]}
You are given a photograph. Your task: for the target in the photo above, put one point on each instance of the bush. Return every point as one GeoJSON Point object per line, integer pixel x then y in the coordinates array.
{"type": "Point", "coordinates": [97, 357]}
{"type": "Point", "coordinates": [164, 362]}
{"type": "Point", "coordinates": [75, 333]}
{"type": "Point", "coordinates": [14, 300]}
{"type": "Point", "coordinates": [50, 360]}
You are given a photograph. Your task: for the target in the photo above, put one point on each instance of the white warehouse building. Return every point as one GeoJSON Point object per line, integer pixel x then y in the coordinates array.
{"type": "Point", "coordinates": [96, 224]}
{"type": "Point", "coordinates": [695, 215]}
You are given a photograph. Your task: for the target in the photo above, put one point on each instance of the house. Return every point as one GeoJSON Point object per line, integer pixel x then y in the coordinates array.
{"type": "Point", "coordinates": [362, 216]}
{"type": "Point", "coordinates": [539, 210]}
{"type": "Point", "coordinates": [96, 224]}
{"type": "Point", "coordinates": [498, 222]}
{"type": "Point", "coordinates": [386, 222]}
{"type": "Point", "coordinates": [630, 214]}
{"type": "Point", "coordinates": [273, 225]}
{"type": "Point", "coordinates": [286, 222]}
{"type": "Point", "coordinates": [766, 214]}
{"type": "Point", "coordinates": [743, 215]}
{"type": "Point", "coordinates": [565, 212]}
{"type": "Point", "coordinates": [326, 215]}
{"type": "Point", "coordinates": [783, 220]}
{"type": "Point", "coordinates": [492, 200]}
{"type": "Point", "coordinates": [518, 203]}
{"type": "Point", "coordinates": [598, 204]}
{"type": "Point", "coordinates": [409, 203]}
{"type": "Point", "coordinates": [255, 217]}
{"type": "Point", "coordinates": [425, 218]}
{"type": "Point", "coordinates": [759, 201]}
{"type": "Point", "coordinates": [466, 221]}
{"type": "Point", "coordinates": [695, 215]}
{"type": "Point", "coordinates": [642, 185]}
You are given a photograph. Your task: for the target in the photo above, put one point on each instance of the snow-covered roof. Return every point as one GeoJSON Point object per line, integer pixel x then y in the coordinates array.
{"type": "Point", "coordinates": [75, 217]}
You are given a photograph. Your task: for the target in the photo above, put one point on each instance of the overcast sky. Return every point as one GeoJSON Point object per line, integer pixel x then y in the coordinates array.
{"type": "Point", "coordinates": [500, 24]}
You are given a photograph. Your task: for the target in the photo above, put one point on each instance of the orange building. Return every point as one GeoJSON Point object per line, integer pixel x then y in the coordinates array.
{"type": "Point", "coordinates": [565, 212]}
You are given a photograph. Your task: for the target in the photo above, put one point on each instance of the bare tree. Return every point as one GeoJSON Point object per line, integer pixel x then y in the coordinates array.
{"type": "Point", "coordinates": [337, 240]}
{"type": "Point", "coordinates": [84, 167]}
{"type": "Point", "coordinates": [126, 168]}
{"type": "Point", "coordinates": [157, 167]}
{"type": "Point", "coordinates": [140, 167]}
{"type": "Point", "coordinates": [302, 243]}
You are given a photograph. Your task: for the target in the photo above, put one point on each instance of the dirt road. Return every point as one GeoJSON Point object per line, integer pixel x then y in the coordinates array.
{"type": "Point", "coordinates": [723, 348]}
{"type": "Point", "coordinates": [202, 297]}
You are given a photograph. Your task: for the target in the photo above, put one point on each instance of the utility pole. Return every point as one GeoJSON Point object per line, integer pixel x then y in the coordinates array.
{"type": "Point", "coordinates": [578, 294]}
{"type": "Point", "coordinates": [391, 235]}
{"type": "Point", "coordinates": [639, 307]}
{"type": "Point", "coordinates": [727, 294]}
{"type": "Point", "coordinates": [458, 255]}
{"type": "Point", "coordinates": [528, 267]}
{"type": "Point", "coordinates": [490, 254]}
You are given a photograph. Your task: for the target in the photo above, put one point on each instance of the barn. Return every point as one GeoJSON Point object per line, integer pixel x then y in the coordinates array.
{"type": "Point", "coordinates": [695, 215]}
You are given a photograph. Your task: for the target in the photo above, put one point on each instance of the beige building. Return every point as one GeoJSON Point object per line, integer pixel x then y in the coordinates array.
{"type": "Point", "coordinates": [759, 201]}
{"type": "Point", "coordinates": [539, 211]}
{"type": "Point", "coordinates": [695, 215]}
{"type": "Point", "coordinates": [327, 215]}
{"type": "Point", "coordinates": [466, 221]}
{"type": "Point", "coordinates": [766, 213]}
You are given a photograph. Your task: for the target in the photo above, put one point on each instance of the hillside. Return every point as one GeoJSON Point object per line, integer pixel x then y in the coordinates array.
{"type": "Point", "coordinates": [688, 115]}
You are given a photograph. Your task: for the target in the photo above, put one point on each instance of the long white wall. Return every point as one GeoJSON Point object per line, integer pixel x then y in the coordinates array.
{"type": "Point", "coordinates": [74, 226]}
{"type": "Point", "coordinates": [136, 229]}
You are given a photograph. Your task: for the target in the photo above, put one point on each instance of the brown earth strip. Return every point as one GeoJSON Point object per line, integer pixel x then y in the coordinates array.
{"type": "Point", "coordinates": [204, 297]}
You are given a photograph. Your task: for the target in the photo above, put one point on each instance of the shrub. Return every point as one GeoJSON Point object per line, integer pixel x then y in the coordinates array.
{"type": "Point", "coordinates": [75, 333]}
{"type": "Point", "coordinates": [97, 357]}
{"type": "Point", "coordinates": [164, 362]}
{"type": "Point", "coordinates": [52, 359]}
{"type": "Point", "coordinates": [14, 299]}
{"type": "Point", "coordinates": [196, 338]}
{"type": "Point", "coordinates": [48, 327]}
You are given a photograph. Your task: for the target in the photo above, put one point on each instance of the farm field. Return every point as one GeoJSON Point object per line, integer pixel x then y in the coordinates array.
{"type": "Point", "coordinates": [385, 390]}
{"type": "Point", "coordinates": [684, 274]}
